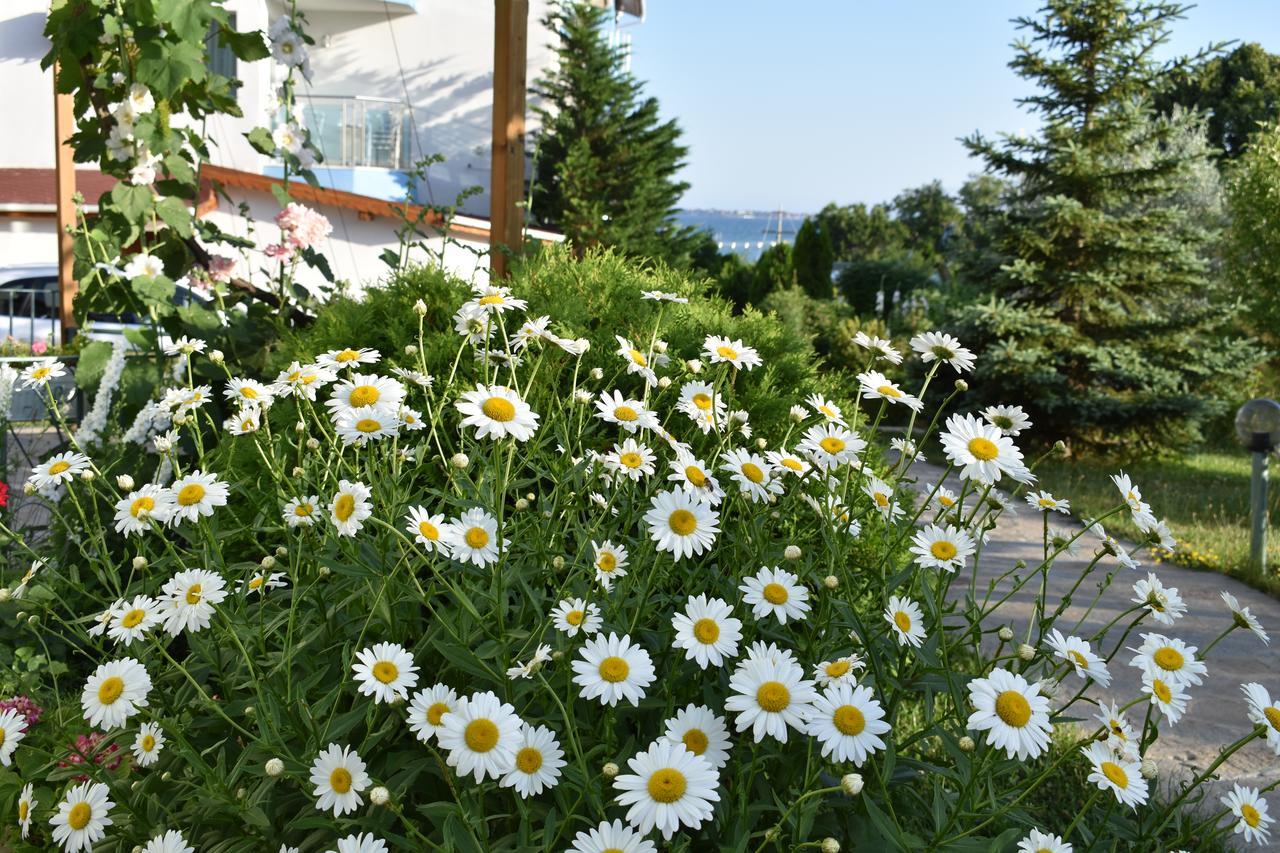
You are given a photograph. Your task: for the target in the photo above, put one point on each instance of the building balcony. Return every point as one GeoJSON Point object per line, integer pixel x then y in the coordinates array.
{"type": "Point", "coordinates": [358, 131]}
{"type": "Point", "coordinates": [395, 7]}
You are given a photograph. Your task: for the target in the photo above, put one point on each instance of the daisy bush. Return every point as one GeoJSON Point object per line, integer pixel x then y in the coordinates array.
{"type": "Point", "coordinates": [582, 562]}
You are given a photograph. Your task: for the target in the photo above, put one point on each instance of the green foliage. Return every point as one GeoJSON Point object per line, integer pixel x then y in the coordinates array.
{"type": "Point", "coordinates": [864, 283]}
{"type": "Point", "coordinates": [606, 163]}
{"type": "Point", "coordinates": [1108, 324]}
{"type": "Point", "coordinates": [774, 270]}
{"type": "Point", "coordinates": [812, 258]}
{"type": "Point", "coordinates": [1253, 238]}
{"type": "Point", "coordinates": [823, 322]}
{"type": "Point", "coordinates": [931, 217]}
{"type": "Point", "coordinates": [857, 231]}
{"type": "Point", "coordinates": [1239, 91]}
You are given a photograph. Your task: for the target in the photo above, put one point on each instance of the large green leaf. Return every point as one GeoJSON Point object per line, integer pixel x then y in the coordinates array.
{"type": "Point", "coordinates": [166, 67]}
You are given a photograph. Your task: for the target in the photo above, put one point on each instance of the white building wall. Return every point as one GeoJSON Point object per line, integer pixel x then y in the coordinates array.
{"type": "Point", "coordinates": [28, 241]}
{"type": "Point", "coordinates": [28, 91]}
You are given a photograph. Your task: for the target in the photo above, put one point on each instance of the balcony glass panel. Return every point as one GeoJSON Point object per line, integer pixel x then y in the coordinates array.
{"type": "Point", "coordinates": [358, 131]}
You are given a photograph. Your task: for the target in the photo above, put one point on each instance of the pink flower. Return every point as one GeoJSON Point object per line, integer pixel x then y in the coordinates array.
{"type": "Point", "coordinates": [279, 250]}
{"type": "Point", "coordinates": [39, 347]}
{"type": "Point", "coordinates": [302, 227]}
{"type": "Point", "coordinates": [22, 704]}
{"type": "Point", "coordinates": [220, 268]}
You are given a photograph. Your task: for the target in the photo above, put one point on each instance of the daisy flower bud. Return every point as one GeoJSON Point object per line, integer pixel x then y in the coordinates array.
{"type": "Point", "coordinates": [546, 513]}
{"type": "Point", "coordinates": [166, 776]}
{"type": "Point", "coordinates": [139, 563]}
{"type": "Point", "coordinates": [1005, 634]}
{"type": "Point", "coordinates": [216, 356]}
{"type": "Point", "coordinates": [664, 383]}
{"type": "Point", "coordinates": [583, 396]}
{"type": "Point", "coordinates": [282, 551]}
{"type": "Point", "coordinates": [411, 349]}
{"type": "Point", "coordinates": [852, 784]}
{"type": "Point", "coordinates": [961, 385]}
{"type": "Point", "coordinates": [522, 504]}
{"type": "Point", "coordinates": [1026, 652]}
{"type": "Point", "coordinates": [1020, 564]}
{"type": "Point", "coordinates": [298, 471]}
{"type": "Point", "coordinates": [274, 767]}
{"type": "Point", "coordinates": [831, 582]}
{"type": "Point", "coordinates": [1148, 769]}
{"type": "Point", "coordinates": [660, 347]}
{"type": "Point", "coordinates": [1060, 447]}
{"type": "Point", "coordinates": [420, 308]}
{"type": "Point", "coordinates": [324, 571]}
{"type": "Point", "coordinates": [967, 744]}
{"type": "Point", "coordinates": [761, 444]}
{"type": "Point", "coordinates": [87, 475]}
{"type": "Point", "coordinates": [792, 552]}
{"type": "Point", "coordinates": [459, 461]}
{"type": "Point", "coordinates": [609, 770]}
{"type": "Point", "coordinates": [29, 489]}
{"type": "Point", "coordinates": [379, 796]}
{"type": "Point", "coordinates": [694, 365]}
{"type": "Point", "coordinates": [557, 563]}
{"type": "Point", "coordinates": [300, 427]}
{"type": "Point", "coordinates": [125, 482]}
{"type": "Point", "coordinates": [830, 845]}
{"type": "Point", "coordinates": [22, 614]}
{"type": "Point", "coordinates": [597, 374]}
{"type": "Point", "coordinates": [267, 562]}
{"type": "Point", "coordinates": [240, 793]}
{"type": "Point", "coordinates": [530, 497]}
{"type": "Point", "coordinates": [557, 655]}
{"type": "Point", "coordinates": [33, 619]}
{"type": "Point", "coordinates": [249, 710]}
{"type": "Point", "coordinates": [4, 594]}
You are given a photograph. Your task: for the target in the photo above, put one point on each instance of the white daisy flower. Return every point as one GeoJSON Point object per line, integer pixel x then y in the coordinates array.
{"type": "Point", "coordinates": [842, 670]}
{"type": "Point", "coordinates": [906, 620]}
{"type": "Point", "coordinates": [830, 446]}
{"type": "Point", "coordinates": [1170, 697]}
{"type": "Point", "coordinates": [1243, 618]}
{"type": "Point", "coordinates": [248, 392]}
{"type": "Point", "coordinates": [1119, 733]}
{"type": "Point", "coordinates": [1250, 809]}
{"type": "Point", "coordinates": [247, 420]}
{"type": "Point", "coordinates": [1163, 603]}
{"type": "Point", "coordinates": [496, 299]}
{"type": "Point", "coordinates": [668, 787]}
{"type": "Point", "coordinates": [943, 497]}
{"type": "Point", "coordinates": [13, 728]}
{"type": "Point", "coordinates": [299, 380]}
{"type": "Point", "coordinates": [1010, 420]}
{"type": "Point", "coordinates": [613, 668]}
{"type": "Point", "coordinates": [365, 389]}
{"type": "Point", "coordinates": [188, 598]}
{"type": "Point", "coordinates": [114, 693]}
{"type": "Point", "coordinates": [360, 843]}
{"type": "Point", "coordinates": [1263, 712]}
{"type": "Point", "coordinates": [637, 361]}
{"type": "Point", "coordinates": [785, 462]}
{"type": "Point", "coordinates": [481, 734]}
{"type": "Point", "coordinates": [132, 620]}
{"type": "Point", "coordinates": [752, 474]}
{"type": "Point", "coordinates": [26, 805]}
{"type": "Point", "coordinates": [385, 671]}
{"type": "Point", "coordinates": [659, 296]}
{"type": "Point", "coordinates": [136, 510]}
{"type": "Point", "coordinates": [58, 469]}
{"type": "Point", "coordinates": [770, 695]}
{"type": "Point", "coordinates": [826, 408]}
{"type": "Point", "coordinates": [1045, 502]}
{"type": "Point", "coordinates": [473, 538]}
{"type": "Point", "coordinates": [147, 745]}
{"type": "Point", "coordinates": [720, 350]}
{"type": "Point", "coordinates": [1168, 658]}
{"type": "Point", "coordinates": [694, 478]}
{"type": "Point", "coordinates": [1042, 842]}
{"type": "Point", "coordinates": [41, 372]}
{"type": "Point", "coordinates": [874, 385]}
{"type": "Point", "coordinates": [631, 415]}
{"type": "Point", "coordinates": [775, 591]}
{"type": "Point", "coordinates": [981, 451]}
{"type": "Point", "coordinates": [83, 817]}
{"type": "Point", "coordinates": [339, 776]}
{"type": "Point", "coordinates": [879, 347]}
{"type": "Point", "coordinates": [1077, 652]}
{"type": "Point", "coordinates": [365, 424]}
{"type": "Point", "coordinates": [573, 615]}
{"type": "Point", "coordinates": [610, 562]}
{"type": "Point", "coordinates": [350, 507]}
{"type": "Point", "coordinates": [848, 722]}
{"type": "Point", "coordinates": [538, 762]}
{"type": "Point", "coordinates": [301, 511]}
{"type": "Point", "coordinates": [427, 529]}
{"type": "Point", "coordinates": [1012, 713]}
{"type": "Point", "coordinates": [881, 494]}
{"type": "Point", "coordinates": [630, 459]}
{"type": "Point", "coordinates": [772, 652]}
{"type": "Point", "coordinates": [939, 346]}
{"type": "Point", "coordinates": [427, 710]}
{"type": "Point", "coordinates": [682, 525]}
{"type": "Point", "coordinates": [1139, 509]}
{"type": "Point", "coordinates": [1120, 775]}
{"type": "Point", "coordinates": [614, 837]}
{"type": "Point", "coordinates": [907, 450]}
{"type": "Point", "coordinates": [702, 732]}
{"type": "Point", "coordinates": [196, 495]}
{"type": "Point", "coordinates": [942, 547]}
{"type": "Point", "coordinates": [497, 412]}
{"type": "Point", "coordinates": [339, 358]}
{"type": "Point", "coordinates": [707, 631]}
{"type": "Point", "coordinates": [541, 655]}
{"type": "Point", "coordinates": [261, 581]}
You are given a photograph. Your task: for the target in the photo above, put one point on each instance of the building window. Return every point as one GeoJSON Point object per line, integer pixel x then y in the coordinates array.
{"type": "Point", "coordinates": [220, 59]}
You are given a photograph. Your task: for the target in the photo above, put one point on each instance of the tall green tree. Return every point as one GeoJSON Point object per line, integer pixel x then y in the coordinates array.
{"type": "Point", "coordinates": [607, 164]}
{"type": "Point", "coordinates": [931, 217]}
{"type": "Point", "coordinates": [812, 258]}
{"type": "Point", "coordinates": [1253, 239]}
{"type": "Point", "coordinates": [1238, 91]}
{"type": "Point", "coordinates": [1106, 321]}
{"type": "Point", "coordinates": [859, 232]}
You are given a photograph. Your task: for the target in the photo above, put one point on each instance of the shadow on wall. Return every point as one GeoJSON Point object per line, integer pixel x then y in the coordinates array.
{"type": "Point", "coordinates": [22, 39]}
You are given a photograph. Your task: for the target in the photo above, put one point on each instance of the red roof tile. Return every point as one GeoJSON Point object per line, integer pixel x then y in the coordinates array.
{"type": "Point", "coordinates": [37, 186]}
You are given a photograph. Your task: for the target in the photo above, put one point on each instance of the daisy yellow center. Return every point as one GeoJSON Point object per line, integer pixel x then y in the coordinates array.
{"type": "Point", "coordinates": [728, 353]}
{"type": "Point", "coordinates": [79, 815]}
{"type": "Point", "coordinates": [613, 850]}
{"type": "Point", "coordinates": [477, 537]}
{"type": "Point", "coordinates": [1118, 730]}
{"type": "Point", "coordinates": [831, 444]}
{"type": "Point", "coordinates": [775, 593]}
{"type": "Point", "coordinates": [631, 460]}
{"type": "Point", "coordinates": [110, 689]}
{"type": "Point", "coordinates": [614, 669]}
{"type": "Point", "coordinates": [706, 630]}
{"type": "Point", "coordinates": [793, 464]}
{"type": "Point", "coordinates": [625, 413]}
{"type": "Point", "coordinates": [2, 736]}
{"type": "Point", "coordinates": [435, 712]}
{"type": "Point", "coordinates": [696, 741]}
{"type": "Point", "coordinates": [752, 472]}
{"type": "Point", "coordinates": [606, 562]}
{"type": "Point", "coordinates": [40, 373]}
{"type": "Point", "coordinates": [1115, 773]}
{"type": "Point", "coordinates": [148, 743]}
{"type": "Point", "coordinates": [303, 510]}
{"type": "Point", "coordinates": [194, 593]}
{"type": "Point", "coordinates": [344, 507]}
{"type": "Point", "coordinates": [367, 425]}
{"type": "Point", "coordinates": [881, 499]}
{"type": "Point", "coordinates": [428, 530]}
{"type": "Point", "coordinates": [58, 467]}
{"type": "Point", "coordinates": [1161, 690]}
{"type": "Point", "coordinates": [1078, 659]}
{"type": "Point", "coordinates": [1168, 659]}
{"type": "Point", "coordinates": [902, 620]}
{"type": "Point", "coordinates": [827, 410]}
{"type": "Point", "coordinates": [702, 401]}
{"type": "Point", "coordinates": [385, 671]}
{"type": "Point", "coordinates": [773, 696]}
{"type": "Point", "coordinates": [983, 449]}
{"type": "Point", "coordinates": [499, 409]}
{"type": "Point", "coordinates": [638, 357]}
{"type": "Point", "coordinates": [888, 391]}
{"type": "Point", "coordinates": [346, 355]}
{"type": "Point", "coordinates": [836, 668]}
{"type": "Point", "coordinates": [943, 550]}
{"type": "Point", "coordinates": [1250, 815]}
{"type": "Point", "coordinates": [141, 505]}
{"type": "Point", "coordinates": [1013, 709]}
{"type": "Point", "coordinates": [946, 501]}
{"type": "Point", "coordinates": [340, 780]}
{"type": "Point", "coordinates": [575, 617]}
{"type": "Point", "coordinates": [492, 299]}
{"type": "Point", "coordinates": [133, 618]}
{"type": "Point", "coordinates": [848, 720]}
{"type": "Point", "coordinates": [191, 494]}
{"type": "Point", "coordinates": [1273, 717]}
{"type": "Point", "coordinates": [481, 735]}
{"type": "Point", "coordinates": [695, 475]}
{"type": "Point", "coordinates": [667, 785]}
{"type": "Point", "coordinates": [257, 582]}
{"type": "Point", "coordinates": [682, 522]}
{"type": "Point", "coordinates": [24, 809]}
{"type": "Point", "coordinates": [529, 760]}
{"type": "Point", "coordinates": [364, 395]}
{"type": "Point", "coordinates": [1047, 503]}
{"type": "Point", "coordinates": [249, 393]}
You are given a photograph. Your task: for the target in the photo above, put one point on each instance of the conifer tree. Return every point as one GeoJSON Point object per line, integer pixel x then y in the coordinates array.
{"type": "Point", "coordinates": [1106, 320]}
{"type": "Point", "coordinates": [813, 259]}
{"type": "Point", "coordinates": [606, 163]}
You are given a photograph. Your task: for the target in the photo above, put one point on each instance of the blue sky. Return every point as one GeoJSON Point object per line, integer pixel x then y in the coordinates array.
{"type": "Point", "coordinates": [798, 103]}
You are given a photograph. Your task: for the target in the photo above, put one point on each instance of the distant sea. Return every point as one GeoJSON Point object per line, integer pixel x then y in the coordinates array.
{"type": "Point", "coordinates": [747, 232]}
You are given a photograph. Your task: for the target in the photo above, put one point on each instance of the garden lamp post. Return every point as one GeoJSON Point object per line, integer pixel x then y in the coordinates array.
{"type": "Point", "coordinates": [1258, 428]}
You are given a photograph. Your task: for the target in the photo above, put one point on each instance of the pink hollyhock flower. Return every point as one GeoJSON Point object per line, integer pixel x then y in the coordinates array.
{"type": "Point", "coordinates": [220, 268]}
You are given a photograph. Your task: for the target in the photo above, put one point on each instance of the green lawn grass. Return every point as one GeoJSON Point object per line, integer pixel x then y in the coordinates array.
{"type": "Point", "coordinates": [1204, 497]}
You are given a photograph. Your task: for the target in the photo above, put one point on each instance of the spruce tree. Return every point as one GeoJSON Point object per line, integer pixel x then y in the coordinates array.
{"type": "Point", "coordinates": [813, 259]}
{"type": "Point", "coordinates": [606, 163]}
{"type": "Point", "coordinates": [1106, 321]}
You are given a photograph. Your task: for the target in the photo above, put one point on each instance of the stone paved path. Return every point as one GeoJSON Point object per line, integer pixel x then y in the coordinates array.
{"type": "Point", "coordinates": [1216, 714]}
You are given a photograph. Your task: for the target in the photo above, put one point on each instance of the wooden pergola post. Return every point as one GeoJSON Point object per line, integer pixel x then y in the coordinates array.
{"type": "Point", "coordinates": [506, 185]}
{"type": "Point", "coordinates": [65, 171]}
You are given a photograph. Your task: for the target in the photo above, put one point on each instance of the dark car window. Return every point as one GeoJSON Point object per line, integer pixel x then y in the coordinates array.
{"type": "Point", "coordinates": [36, 296]}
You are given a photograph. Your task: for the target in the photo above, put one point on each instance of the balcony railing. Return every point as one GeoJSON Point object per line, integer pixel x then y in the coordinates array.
{"type": "Point", "coordinates": [357, 130]}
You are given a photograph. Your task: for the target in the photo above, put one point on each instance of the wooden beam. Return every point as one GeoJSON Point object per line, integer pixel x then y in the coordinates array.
{"type": "Point", "coordinates": [65, 176]}
{"type": "Point", "coordinates": [506, 183]}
